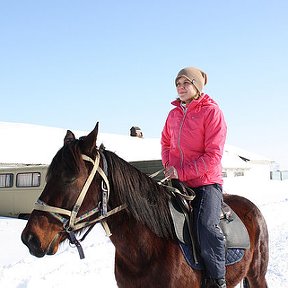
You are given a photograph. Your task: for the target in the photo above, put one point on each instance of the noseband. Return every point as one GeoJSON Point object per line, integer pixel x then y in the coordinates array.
{"type": "Point", "coordinates": [74, 223]}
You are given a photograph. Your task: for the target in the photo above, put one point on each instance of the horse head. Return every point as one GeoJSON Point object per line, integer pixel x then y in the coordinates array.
{"type": "Point", "coordinates": [67, 204]}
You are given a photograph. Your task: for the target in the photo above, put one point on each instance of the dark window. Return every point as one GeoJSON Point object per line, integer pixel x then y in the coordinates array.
{"type": "Point", "coordinates": [6, 180]}
{"type": "Point", "coordinates": [31, 179]}
{"type": "Point", "coordinates": [238, 173]}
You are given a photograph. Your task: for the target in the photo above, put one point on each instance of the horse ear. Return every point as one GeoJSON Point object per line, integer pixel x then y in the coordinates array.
{"type": "Point", "coordinates": [90, 140]}
{"type": "Point", "coordinates": [69, 137]}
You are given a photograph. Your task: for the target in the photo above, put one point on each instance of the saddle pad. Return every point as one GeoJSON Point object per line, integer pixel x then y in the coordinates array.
{"type": "Point", "coordinates": [235, 232]}
{"type": "Point", "coordinates": [233, 255]}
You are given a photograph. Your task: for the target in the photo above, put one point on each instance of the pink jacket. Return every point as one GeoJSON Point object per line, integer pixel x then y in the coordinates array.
{"type": "Point", "coordinates": [193, 141]}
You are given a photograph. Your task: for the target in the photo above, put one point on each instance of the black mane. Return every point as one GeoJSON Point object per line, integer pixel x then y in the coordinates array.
{"type": "Point", "coordinates": [66, 162]}
{"type": "Point", "coordinates": [146, 199]}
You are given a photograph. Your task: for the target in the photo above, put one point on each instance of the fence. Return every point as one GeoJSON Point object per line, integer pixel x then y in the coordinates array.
{"type": "Point", "coordinates": [279, 175]}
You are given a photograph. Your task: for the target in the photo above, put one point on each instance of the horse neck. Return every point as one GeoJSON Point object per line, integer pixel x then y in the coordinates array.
{"type": "Point", "coordinates": [146, 200]}
{"type": "Point", "coordinates": [133, 240]}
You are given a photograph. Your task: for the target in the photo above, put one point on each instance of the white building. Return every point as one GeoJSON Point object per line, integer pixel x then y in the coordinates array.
{"type": "Point", "coordinates": [34, 144]}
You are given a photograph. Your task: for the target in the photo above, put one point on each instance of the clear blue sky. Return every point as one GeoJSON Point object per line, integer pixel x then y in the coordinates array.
{"type": "Point", "coordinates": [71, 63]}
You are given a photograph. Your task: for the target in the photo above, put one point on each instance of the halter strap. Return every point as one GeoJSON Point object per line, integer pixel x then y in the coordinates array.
{"type": "Point", "coordinates": [85, 188]}
{"type": "Point", "coordinates": [74, 223]}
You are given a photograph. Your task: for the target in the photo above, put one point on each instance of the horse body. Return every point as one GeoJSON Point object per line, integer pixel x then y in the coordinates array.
{"type": "Point", "coordinates": [147, 253]}
{"type": "Point", "coordinates": [150, 258]}
{"type": "Point", "coordinates": [143, 259]}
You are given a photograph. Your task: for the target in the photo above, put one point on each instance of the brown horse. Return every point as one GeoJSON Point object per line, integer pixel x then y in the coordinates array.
{"type": "Point", "coordinates": [87, 185]}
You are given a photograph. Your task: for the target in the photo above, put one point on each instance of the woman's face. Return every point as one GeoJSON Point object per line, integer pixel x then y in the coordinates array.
{"type": "Point", "coordinates": [186, 90]}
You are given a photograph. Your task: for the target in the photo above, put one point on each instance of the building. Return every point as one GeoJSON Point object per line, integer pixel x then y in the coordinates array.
{"type": "Point", "coordinates": [27, 150]}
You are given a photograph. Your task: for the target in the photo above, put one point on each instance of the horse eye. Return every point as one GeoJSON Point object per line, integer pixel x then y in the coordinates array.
{"type": "Point", "coordinates": [69, 179]}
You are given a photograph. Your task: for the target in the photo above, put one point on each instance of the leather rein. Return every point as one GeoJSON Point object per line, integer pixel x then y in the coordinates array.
{"type": "Point", "coordinates": [74, 223]}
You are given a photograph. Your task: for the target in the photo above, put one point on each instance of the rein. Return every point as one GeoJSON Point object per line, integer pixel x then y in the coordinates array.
{"type": "Point", "coordinates": [74, 223]}
{"type": "Point", "coordinates": [170, 189]}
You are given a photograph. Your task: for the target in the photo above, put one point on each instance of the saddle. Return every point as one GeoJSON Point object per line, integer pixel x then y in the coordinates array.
{"type": "Point", "coordinates": [236, 235]}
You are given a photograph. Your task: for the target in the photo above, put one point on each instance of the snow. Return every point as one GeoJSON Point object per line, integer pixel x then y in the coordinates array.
{"type": "Point", "coordinates": [65, 269]}
{"type": "Point", "coordinates": [35, 144]}
{"type": "Point", "coordinates": [18, 269]}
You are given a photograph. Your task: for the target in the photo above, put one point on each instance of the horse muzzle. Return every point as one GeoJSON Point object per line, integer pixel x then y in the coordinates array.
{"type": "Point", "coordinates": [36, 248]}
{"type": "Point", "coordinates": [33, 243]}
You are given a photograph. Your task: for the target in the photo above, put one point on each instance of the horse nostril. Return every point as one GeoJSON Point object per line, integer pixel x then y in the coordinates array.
{"type": "Point", "coordinates": [31, 241]}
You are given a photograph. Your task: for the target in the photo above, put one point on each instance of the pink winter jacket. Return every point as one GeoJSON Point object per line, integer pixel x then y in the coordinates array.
{"type": "Point", "coordinates": [193, 141]}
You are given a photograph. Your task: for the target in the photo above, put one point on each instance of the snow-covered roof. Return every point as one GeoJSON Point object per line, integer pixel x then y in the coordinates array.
{"type": "Point", "coordinates": [231, 160]}
{"type": "Point", "coordinates": [35, 144]}
{"type": "Point", "coordinates": [250, 156]}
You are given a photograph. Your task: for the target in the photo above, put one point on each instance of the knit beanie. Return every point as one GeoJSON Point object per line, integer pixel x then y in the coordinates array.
{"type": "Point", "coordinates": [197, 77]}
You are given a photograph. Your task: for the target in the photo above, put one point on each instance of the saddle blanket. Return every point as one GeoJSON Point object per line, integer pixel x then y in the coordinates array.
{"type": "Point", "coordinates": [233, 256]}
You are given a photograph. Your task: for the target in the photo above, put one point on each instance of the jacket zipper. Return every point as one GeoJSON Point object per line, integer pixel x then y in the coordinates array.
{"type": "Point", "coordinates": [179, 136]}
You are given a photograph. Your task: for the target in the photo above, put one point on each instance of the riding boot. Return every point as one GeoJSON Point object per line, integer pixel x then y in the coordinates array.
{"type": "Point", "coordinates": [214, 283]}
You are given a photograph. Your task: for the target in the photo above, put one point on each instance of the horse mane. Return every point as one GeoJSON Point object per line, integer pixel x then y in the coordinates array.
{"type": "Point", "coordinates": [147, 201]}
{"type": "Point", "coordinates": [67, 160]}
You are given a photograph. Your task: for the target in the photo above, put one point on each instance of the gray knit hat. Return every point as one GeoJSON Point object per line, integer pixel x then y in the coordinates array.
{"type": "Point", "coordinates": [196, 76]}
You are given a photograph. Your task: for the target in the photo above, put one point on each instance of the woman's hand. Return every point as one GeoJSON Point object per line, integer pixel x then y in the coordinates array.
{"type": "Point", "coordinates": [171, 172]}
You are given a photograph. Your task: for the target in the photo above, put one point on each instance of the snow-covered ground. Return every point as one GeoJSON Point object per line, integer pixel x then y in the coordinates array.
{"type": "Point", "coordinates": [19, 269]}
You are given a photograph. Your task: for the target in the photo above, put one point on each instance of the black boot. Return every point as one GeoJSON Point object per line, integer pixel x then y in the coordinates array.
{"type": "Point", "coordinates": [214, 283]}
{"type": "Point", "coordinates": [221, 283]}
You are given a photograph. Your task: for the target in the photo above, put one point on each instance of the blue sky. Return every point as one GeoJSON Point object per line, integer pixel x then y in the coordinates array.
{"type": "Point", "coordinates": [71, 63]}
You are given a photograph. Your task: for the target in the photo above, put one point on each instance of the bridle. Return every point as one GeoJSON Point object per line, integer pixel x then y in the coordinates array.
{"type": "Point", "coordinates": [74, 223]}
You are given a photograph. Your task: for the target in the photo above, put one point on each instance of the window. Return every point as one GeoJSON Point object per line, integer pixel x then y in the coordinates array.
{"type": "Point", "coordinates": [28, 179]}
{"type": "Point", "coordinates": [6, 180]}
{"type": "Point", "coordinates": [238, 173]}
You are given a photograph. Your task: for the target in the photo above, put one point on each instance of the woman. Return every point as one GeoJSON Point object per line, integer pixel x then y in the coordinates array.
{"type": "Point", "coordinates": [192, 147]}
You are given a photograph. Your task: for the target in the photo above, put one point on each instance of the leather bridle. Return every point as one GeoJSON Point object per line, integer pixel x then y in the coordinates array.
{"type": "Point", "coordinates": [74, 223]}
